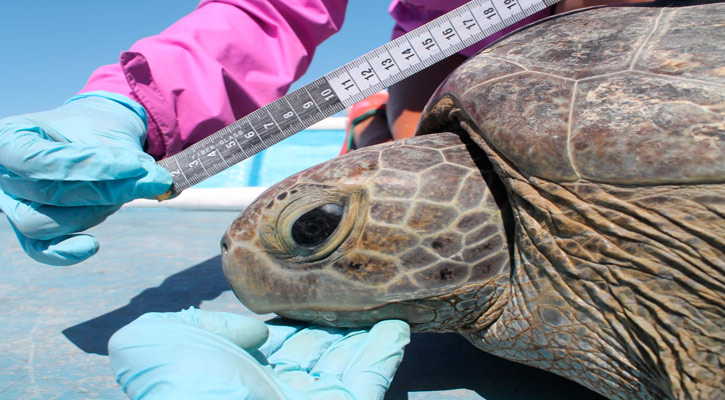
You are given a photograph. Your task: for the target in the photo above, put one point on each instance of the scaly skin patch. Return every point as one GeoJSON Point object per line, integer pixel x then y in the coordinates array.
{"type": "Point", "coordinates": [424, 239]}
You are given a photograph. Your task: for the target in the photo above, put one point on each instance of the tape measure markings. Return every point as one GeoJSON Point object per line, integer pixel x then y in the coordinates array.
{"type": "Point", "coordinates": [380, 68]}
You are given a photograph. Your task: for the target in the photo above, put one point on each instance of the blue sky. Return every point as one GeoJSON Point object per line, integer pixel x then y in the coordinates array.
{"type": "Point", "coordinates": [48, 48]}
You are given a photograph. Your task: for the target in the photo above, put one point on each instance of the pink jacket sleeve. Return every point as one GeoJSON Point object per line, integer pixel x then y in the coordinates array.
{"type": "Point", "coordinates": [217, 64]}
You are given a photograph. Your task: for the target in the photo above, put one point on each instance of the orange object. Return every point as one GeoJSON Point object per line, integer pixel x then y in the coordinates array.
{"type": "Point", "coordinates": [360, 111]}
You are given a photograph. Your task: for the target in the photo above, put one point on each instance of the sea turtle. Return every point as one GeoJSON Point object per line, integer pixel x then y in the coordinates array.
{"type": "Point", "coordinates": [563, 206]}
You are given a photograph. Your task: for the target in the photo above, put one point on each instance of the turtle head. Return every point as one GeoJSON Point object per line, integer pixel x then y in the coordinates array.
{"type": "Point", "coordinates": [408, 230]}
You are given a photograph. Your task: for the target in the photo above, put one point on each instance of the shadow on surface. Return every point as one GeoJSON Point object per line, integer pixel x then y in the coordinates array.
{"type": "Point", "coordinates": [435, 362]}
{"type": "Point", "coordinates": [184, 289]}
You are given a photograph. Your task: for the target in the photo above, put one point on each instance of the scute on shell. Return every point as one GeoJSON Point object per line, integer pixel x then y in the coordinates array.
{"type": "Point", "coordinates": [621, 95]}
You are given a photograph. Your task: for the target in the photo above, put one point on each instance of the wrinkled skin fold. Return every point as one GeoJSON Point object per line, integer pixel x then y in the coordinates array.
{"type": "Point", "coordinates": [563, 206]}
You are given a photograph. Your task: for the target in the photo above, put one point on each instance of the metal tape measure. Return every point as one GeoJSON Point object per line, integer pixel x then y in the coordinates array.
{"type": "Point", "coordinates": [345, 86]}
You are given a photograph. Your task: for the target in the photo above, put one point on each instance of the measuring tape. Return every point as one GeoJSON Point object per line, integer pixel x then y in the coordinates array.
{"type": "Point", "coordinates": [345, 86]}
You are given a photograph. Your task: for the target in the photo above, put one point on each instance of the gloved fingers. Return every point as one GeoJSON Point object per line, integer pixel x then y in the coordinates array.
{"type": "Point", "coordinates": [247, 333]}
{"type": "Point", "coordinates": [60, 251]}
{"type": "Point", "coordinates": [302, 350]}
{"type": "Point", "coordinates": [371, 372]}
{"type": "Point", "coordinates": [337, 358]}
{"type": "Point", "coordinates": [298, 354]}
{"type": "Point", "coordinates": [167, 355]}
{"type": "Point", "coordinates": [278, 334]}
{"type": "Point", "coordinates": [365, 362]}
{"type": "Point", "coordinates": [42, 222]}
{"type": "Point", "coordinates": [25, 151]}
{"type": "Point", "coordinates": [117, 121]}
{"type": "Point", "coordinates": [155, 181]}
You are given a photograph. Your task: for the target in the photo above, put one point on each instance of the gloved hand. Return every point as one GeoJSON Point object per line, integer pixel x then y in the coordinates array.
{"type": "Point", "coordinates": [197, 354]}
{"type": "Point", "coordinates": [66, 170]}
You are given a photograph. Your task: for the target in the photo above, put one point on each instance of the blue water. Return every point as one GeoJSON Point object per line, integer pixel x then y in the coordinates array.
{"type": "Point", "coordinates": [301, 151]}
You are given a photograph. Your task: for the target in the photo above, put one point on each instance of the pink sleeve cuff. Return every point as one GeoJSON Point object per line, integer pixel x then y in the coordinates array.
{"type": "Point", "coordinates": [217, 64]}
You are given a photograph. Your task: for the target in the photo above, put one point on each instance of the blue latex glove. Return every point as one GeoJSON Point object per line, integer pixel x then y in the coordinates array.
{"type": "Point", "coordinates": [66, 170]}
{"type": "Point", "coordinates": [197, 354]}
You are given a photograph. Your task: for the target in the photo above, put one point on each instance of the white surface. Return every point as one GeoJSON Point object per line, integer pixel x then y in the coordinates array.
{"type": "Point", "coordinates": [330, 123]}
{"type": "Point", "coordinates": [223, 199]}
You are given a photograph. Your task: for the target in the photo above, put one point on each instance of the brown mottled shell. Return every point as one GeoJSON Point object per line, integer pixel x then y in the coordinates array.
{"type": "Point", "coordinates": [626, 95]}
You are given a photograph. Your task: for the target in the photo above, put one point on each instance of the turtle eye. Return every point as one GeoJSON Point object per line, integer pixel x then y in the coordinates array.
{"type": "Point", "coordinates": [311, 223]}
{"type": "Point", "coordinates": [315, 226]}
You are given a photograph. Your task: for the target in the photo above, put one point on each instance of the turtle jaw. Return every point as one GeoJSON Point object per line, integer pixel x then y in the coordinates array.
{"type": "Point", "coordinates": [413, 314]}
{"type": "Point", "coordinates": [315, 297]}
{"type": "Point", "coordinates": [263, 287]}
{"type": "Point", "coordinates": [473, 307]}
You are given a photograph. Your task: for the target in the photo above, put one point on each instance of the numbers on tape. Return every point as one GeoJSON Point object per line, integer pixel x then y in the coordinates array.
{"type": "Point", "coordinates": [345, 86]}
